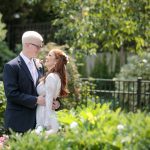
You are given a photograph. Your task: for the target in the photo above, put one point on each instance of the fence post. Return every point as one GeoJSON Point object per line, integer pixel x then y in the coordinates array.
{"type": "Point", "coordinates": [139, 92]}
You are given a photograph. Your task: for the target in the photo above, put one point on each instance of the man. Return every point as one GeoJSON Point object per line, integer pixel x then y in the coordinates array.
{"type": "Point", "coordinates": [20, 78]}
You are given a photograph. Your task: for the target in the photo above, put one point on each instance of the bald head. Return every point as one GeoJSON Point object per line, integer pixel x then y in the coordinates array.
{"type": "Point", "coordinates": [32, 37]}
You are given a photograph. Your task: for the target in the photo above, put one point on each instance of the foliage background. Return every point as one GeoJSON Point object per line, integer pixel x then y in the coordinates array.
{"type": "Point", "coordinates": [5, 54]}
{"type": "Point", "coordinates": [2, 108]}
{"type": "Point", "coordinates": [87, 27]}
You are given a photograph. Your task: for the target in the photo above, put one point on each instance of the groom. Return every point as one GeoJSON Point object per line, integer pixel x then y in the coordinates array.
{"type": "Point", "coordinates": [20, 77]}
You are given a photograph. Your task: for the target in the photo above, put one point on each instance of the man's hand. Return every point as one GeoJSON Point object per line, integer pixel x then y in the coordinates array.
{"type": "Point", "coordinates": [41, 100]}
{"type": "Point", "coordinates": [55, 105]}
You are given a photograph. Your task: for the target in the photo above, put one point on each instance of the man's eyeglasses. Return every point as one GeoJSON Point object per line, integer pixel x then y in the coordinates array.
{"type": "Point", "coordinates": [36, 45]}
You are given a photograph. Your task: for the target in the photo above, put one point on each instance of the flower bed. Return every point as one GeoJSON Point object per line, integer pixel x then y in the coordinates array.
{"type": "Point", "coordinates": [3, 141]}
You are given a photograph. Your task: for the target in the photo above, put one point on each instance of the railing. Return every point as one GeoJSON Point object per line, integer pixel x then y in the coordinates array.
{"type": "Point", "coordinates": [130, 95]}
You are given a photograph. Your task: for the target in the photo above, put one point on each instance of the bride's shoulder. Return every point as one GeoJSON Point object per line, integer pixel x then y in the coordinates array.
{"type": "Point", "coordinates": [53, 76]}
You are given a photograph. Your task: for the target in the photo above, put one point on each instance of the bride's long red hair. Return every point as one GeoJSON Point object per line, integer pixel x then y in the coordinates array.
{"type": "Point", "coordinates": [60, 69]}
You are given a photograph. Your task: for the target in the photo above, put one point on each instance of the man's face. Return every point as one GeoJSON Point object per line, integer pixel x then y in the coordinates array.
{"type": "Point", "coordinates": [33, 50]}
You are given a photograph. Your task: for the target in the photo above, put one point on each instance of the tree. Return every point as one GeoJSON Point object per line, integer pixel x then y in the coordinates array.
{"type": "Point", "coordinates": [92, 25]}
{"type": "Point", "coordinates": [26, 11]}
{"type": "Point", "coordinates": [5, 54]}
{"type": "Point", "coordinates": [2, 29]}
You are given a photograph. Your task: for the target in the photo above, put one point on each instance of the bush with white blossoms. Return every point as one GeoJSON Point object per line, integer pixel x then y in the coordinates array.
{"type": "Point", "coordinates": [137, 66]}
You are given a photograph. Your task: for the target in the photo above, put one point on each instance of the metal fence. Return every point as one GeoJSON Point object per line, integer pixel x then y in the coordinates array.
{"type": "Point", "coordinates": [15, 32]}
{"type": "Point", "coordinates": [130, 95]}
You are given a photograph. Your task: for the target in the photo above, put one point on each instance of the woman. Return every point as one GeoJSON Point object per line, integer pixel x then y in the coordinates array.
{"type": "Point", "coordinates": [52, 85]}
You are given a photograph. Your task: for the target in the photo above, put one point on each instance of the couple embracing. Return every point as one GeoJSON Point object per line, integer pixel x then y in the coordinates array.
{"type": "Point", "coordinates": [31, 94]}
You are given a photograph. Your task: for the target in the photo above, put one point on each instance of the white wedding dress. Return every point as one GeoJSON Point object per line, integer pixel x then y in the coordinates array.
{"type": "Point", "coordinates": [45, 116]}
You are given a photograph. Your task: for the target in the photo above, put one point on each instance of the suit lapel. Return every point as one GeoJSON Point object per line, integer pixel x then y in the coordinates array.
{"type": "Point", "coordinates": [40, 71]}
{"type": "Point", "coordinates": [24, 67]}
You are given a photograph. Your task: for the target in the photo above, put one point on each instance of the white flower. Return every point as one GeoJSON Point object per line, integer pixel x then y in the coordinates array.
{"type": "Point", "coordinates": [120, 127]}
{"type": "Point", "coordinates": [67, 57]}
{"type": "Point", "coordinates": [73, 125]}
{"type": "Point", "coordinates": [38, 63]}
{"type": "Point", "coordinates": [144, 61]}
{"type": "Point", "coordinates": [38, 130]}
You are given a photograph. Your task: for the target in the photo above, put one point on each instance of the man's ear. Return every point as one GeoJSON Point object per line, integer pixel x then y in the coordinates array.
{"type": "Point", "coordinates": [27, 45]}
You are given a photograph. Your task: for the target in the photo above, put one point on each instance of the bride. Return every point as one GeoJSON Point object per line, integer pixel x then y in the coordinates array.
{"type": "Point", "coordinates": [52, 85]}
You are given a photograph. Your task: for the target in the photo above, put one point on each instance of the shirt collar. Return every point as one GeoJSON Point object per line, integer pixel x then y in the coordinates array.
{"type": "Point", "coordinates": [26, 59]}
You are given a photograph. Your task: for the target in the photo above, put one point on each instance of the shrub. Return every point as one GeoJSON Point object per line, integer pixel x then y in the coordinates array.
{"type": "Point", "coordinates": [95, 127]}
{"type": "Point", "coordinates": [137, 66]}
{"type": "Point", "coordinates": [5, 54]}
{"type": "Point", "coordinates": [2, 107]}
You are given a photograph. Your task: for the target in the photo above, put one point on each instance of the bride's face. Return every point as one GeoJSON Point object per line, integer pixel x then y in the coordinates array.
{"type": "Point", "coordinates": [50, 60]}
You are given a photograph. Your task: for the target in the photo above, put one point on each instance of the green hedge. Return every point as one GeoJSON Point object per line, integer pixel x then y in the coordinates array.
{"type": "Point", "coordinates": [95, 127]}
{"type": "Point", "coordinates": [2, 106]}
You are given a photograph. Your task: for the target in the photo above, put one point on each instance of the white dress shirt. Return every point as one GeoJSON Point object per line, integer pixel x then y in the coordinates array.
{"type": "Point", "coordinates": [31, 66]}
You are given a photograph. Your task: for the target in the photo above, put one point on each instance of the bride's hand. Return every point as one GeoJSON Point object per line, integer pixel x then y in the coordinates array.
{"type": "Point", "coordinates": [55, 105]}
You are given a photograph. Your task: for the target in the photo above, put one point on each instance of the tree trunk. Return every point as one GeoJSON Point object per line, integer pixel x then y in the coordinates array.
{"type": "Point", "coordinates": [122, 56]}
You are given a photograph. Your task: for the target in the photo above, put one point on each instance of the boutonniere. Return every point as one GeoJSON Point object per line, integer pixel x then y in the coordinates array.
{"type": "Point", "coordinates": [38, 63]}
